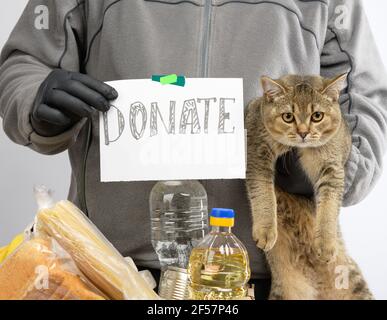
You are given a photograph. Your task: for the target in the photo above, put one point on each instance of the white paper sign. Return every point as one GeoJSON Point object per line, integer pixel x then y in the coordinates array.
{"type": "Point", "coordinates": [168, 132]}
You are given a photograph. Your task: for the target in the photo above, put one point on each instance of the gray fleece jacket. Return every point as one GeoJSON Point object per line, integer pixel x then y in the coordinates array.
{"type": "Point", "coordinates": [121, 39]}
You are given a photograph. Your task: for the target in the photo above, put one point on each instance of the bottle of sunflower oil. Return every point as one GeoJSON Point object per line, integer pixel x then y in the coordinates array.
{"type": "Point", "coordinates": [219, 266]}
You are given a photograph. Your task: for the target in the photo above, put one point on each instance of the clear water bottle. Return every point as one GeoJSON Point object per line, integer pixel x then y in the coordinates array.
{"type": "Point", "coordinates": [179, 221]}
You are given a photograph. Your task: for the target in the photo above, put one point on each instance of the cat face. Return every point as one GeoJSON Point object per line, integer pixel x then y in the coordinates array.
{"type": "Point", "coordinates": [302, 112]}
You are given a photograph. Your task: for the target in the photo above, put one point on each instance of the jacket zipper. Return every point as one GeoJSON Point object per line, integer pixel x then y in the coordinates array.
{"type": "Point", "coordinates": [82, 186]}
{"type": "Point", "coordinates": [206, 37]}
{"type": "Point", "coordinates": [205, 49]}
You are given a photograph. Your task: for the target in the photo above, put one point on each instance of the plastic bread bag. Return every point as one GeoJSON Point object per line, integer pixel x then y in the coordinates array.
{"type": "Point", "coordinates": [39, 269]}
{"type": "Point", "coordinates": [145, 274]}
{"type": "Point", "coordinates": [93, 254]}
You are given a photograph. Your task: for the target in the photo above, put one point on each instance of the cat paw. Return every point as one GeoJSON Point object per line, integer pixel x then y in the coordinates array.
{"type": "Point", "coordinates": [326, 250]}
{"type": "Point", "coordinates": [265, 236]}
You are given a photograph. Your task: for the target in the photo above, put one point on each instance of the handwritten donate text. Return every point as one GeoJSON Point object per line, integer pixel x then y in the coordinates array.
{"type": "Point", "coordinates": [189, 121]}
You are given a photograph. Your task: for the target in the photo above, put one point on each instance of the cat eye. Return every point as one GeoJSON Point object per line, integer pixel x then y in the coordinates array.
{"type": "Point", "coordinates": [317, 116]}
{"type": "Point", "coordinates": [288, 117]}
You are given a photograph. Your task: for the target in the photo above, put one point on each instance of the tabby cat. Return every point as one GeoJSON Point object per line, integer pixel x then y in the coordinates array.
{"type": "Point", "coordinates": [301, 236]}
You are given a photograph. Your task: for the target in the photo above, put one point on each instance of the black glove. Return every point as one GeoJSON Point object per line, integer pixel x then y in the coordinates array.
{"type": "Point", "coordinates": [290, 176]}
{"type": "Point", "coordinates": [66, 97]}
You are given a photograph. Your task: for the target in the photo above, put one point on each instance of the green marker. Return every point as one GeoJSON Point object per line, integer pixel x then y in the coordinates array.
{"type": "Point", "coordinates": [169, 79]}
{"type": "Point", "coordinates": [172, 79]}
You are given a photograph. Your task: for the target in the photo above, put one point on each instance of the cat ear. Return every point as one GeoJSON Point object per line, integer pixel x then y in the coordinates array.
{"type": "Point", "coordinates": [334, 86]}
{"type": "Point", "coordinates": [271, 88]}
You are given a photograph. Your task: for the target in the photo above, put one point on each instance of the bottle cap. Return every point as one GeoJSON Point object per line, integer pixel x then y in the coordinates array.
{"type": "Point", "coordinates": [222, 217]}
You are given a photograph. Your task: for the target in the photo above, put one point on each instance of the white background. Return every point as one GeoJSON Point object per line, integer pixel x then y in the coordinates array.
{"type": "Point", "coordinates": [364, 226]}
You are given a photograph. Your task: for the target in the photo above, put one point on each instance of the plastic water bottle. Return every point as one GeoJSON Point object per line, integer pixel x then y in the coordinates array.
{"type": "Point", "coordinates": [179, 221]}
{"type": "Point", "coordinates": [219, 266]}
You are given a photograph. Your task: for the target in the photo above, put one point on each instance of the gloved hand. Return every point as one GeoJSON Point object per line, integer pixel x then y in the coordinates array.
{"type": "Point", "coordinates": [290, 176]}
{"type": "Point", "coordinates": [64, 98]}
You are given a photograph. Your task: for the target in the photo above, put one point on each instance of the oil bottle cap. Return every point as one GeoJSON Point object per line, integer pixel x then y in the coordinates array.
{"type": "Point", "coordinates": [220, 217]}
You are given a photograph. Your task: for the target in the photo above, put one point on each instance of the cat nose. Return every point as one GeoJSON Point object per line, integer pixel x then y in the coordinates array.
{"type": "Point", "coordinates": [303, 134]}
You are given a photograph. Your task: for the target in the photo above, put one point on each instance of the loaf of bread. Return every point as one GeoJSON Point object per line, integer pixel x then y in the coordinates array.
{"type": "Point", "coordinates": [93, 254]}
{"type": "Point", "coordinates": [35, 271]}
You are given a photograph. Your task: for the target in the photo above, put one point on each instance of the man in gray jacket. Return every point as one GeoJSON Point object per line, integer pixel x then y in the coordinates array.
{"type": "Point", "coordinates": [49, 98]}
